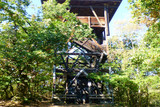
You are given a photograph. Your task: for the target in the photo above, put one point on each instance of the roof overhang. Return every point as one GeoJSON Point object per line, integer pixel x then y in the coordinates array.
{"type": "Point", "coordinates": [82, 7]}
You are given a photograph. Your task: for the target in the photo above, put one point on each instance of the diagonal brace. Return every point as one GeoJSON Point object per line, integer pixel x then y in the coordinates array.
{"type": "Point", "coordinates": [95, 15]}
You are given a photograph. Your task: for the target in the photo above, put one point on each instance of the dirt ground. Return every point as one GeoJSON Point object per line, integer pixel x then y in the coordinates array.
{"type": "Point", "coordinates": [47, 104]}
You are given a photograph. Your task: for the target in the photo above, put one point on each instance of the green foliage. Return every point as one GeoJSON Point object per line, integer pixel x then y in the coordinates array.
{"type": "Point", "coordinates": [135, 69]}
{"type": "Point", "coordinates": [152, 37]}
{"type": "Point", "coordinates": [125, 90]}
{"type": "Point", "coordinates": [28, 47]}
{"type": "Point", "coordinates": [145, 11]}
{"type": "Point", "coordinates": [135, 72]}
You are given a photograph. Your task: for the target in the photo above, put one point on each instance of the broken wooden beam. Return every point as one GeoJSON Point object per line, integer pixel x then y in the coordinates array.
{"type": "Point", "coordinates": [88, 54]}
{"type": "Point", "coordinates": [89, 45]}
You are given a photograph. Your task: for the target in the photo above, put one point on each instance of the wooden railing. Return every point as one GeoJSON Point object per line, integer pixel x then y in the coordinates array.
{"type": "Point", "coordinates": [92, 21]}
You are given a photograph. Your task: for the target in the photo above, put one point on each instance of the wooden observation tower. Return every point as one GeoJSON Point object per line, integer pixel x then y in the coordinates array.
{"type": "Point", "coordinates": [85, 58]}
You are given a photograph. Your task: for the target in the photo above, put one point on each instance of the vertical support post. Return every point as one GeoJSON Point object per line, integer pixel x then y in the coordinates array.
{"type": "Point", "coordinates": [110, 72]}
{"type": "Point", "coordinates": [64, 63]}
{"type": "Point", "coordinates": [67, 81]}
{"type": "Point", "coordinates": [106, 16]}
{"type": "Point", "coordinates": [89, 89]}
{"type": "Point", "coordinates": [66, 86]}
{"type": "Point", "coordinates": [54, 81]}
{"type": "Point", "coordinates": [67, 60]}
{"type": "Point", "coordinates": [89, 21]}
{"type": "Point", "coordinates": [102, 86]}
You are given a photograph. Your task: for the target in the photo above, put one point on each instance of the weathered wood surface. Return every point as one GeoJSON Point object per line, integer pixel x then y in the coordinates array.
{"type": "Point", "coordinates": [94, 0]}
{"type": "Point", "coordinates": [90, 45]}
{"type": "Point", "coordinates": [90, 0]}
{"type": "Point", "coordinates": [91, 70]}
{"type": "Point", "coordinates": [77, 6]}
{"type": "Point", "coordinates": [92, 21]}
{"type": "Point", "coordinates": [75, 70]}
{"type": "Point", "coordinates": [88, 54]}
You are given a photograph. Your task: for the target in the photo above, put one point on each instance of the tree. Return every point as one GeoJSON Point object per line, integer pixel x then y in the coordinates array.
{"type": "Point", "coordinates": [145, 11]}
{"type": "Point", "coordinates": [135, 71]}
{"type": "Point", "coordinates": [28, 46]}
{"type": "Point", "coordinates": [129, 32]}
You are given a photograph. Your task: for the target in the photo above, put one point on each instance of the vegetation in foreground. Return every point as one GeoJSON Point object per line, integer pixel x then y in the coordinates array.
{"type": "Point", "coordinates": [28, 47]}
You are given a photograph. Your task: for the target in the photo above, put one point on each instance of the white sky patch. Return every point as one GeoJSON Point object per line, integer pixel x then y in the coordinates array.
{"type": "Point", "coordinates": [34, 7]}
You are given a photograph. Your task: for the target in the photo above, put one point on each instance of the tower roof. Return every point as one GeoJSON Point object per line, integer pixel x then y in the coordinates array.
{"type": "Point", "coordinates": [82, 7]}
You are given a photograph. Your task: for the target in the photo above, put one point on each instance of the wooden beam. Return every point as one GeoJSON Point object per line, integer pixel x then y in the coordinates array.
{"type": "Point", "coordinates": [64, 62]}
{"type": "Point", "coordinates": [96, 15]}
{"type": "Point", "coordinates": [106, 16]}
{"type": "Point", "coordinates": [106, 28]}
{"type": "Point", "coordinates": [97, 26]}
{"type": "Point", "coordinates": [88, 70]}
{"type": "Point", "coordinates": [92, 21]}
{"type": "Point", "coordinates": [99, 46]}
{"type": "Point", "coordinates": [80, 6]}
{"type": "Point", "coordinates": [100, 0]}
{"type": "Point", "coordinates": [89, 21]}
{"type": "Point", "coordinates": [88, 54]}
{"type": "Point", "coordinates": [90, 46]}
{"type": "Point", "coordinates": [91, 0]}
{"type": "Point", "coordinates": [74, 64]}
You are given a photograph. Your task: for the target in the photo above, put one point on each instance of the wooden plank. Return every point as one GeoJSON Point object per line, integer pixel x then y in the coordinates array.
{"type": "Point", "coordinates": [99, 0]}
{"type": "Point", "coordinates": [92, 20]}
{"type": "Point", "coordinates": [88, 54]}
{"type": "Point", "coordinates": [95, 15]}
{"type": "Point", "coordinates": [106, 28]}
{"type": "Point", "coordinates": [98, 26]}
{"type": "Point", "coordinates": [89, 21]}
{"type": "Point", "coordinates": [97, 95]}
{"type": "Point", "coordinates": [97, 98]}
{"type": "Point", "coordinates": [83, 19]}
{"type": "Point", "coordinates": [97, 44]}
{"type": "Point", "coordinates": [100, 7]}
{"type": "Point", "coordinates": [91, 0]}
{"type": "Point", "coordinates": [101, 20]}
{"type": "Point", "coordinates": [89, 45]}
{"type": "Point", "coordinates": [106, 21]}
{"type": "Point", "coordinates": [88, 70]}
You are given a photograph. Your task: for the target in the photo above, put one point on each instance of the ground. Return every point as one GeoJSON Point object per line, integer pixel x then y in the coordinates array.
{"type": "Point", "coordinates": [47, 104]}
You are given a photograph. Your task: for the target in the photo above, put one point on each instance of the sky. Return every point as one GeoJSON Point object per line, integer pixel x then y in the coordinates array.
{"type": "Point", "coordinates": [122, 14]}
